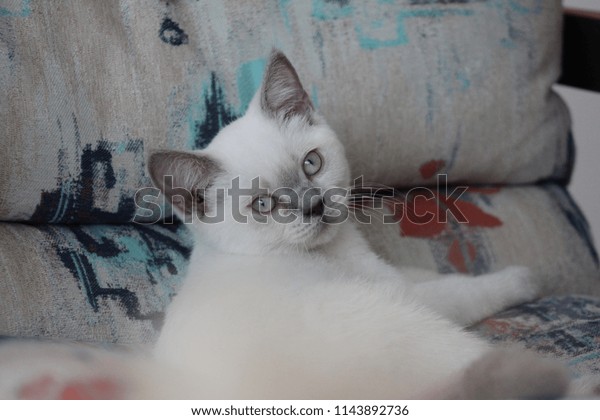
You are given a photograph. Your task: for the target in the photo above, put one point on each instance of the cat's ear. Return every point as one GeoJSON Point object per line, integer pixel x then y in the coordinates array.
{"type": "Point", "coordinates": [182, 177]}
{"type": "Point", "coordinates": [282, 95]}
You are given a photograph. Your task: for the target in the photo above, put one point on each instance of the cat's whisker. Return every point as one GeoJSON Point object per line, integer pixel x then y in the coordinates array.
{"type": "Point", "coordinates": [390, 204]}
{"type": "Point", "coordinates": [373, 199]}
{"type": "Point", "coordinates": [369, 195]}
{"type": "Point", "coordinates": [367, 212]}
{"type": "Point", "coordinates": [379, 204]}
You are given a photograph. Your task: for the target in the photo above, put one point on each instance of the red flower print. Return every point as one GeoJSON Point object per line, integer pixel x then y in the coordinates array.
{"type": "Point", "coordinates": [424, 213]}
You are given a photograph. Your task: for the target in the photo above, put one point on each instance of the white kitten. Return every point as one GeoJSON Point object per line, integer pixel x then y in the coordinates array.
{"type": "Point", "coordinates": [281, 300]}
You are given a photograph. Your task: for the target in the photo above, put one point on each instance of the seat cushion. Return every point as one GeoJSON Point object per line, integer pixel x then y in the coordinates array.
{"type": "Point", "coordinates": [567, 327]}
{"type": "Point", "coordinates": [112, 283]}
{"type": "Point", "coordinates": [95, 283]}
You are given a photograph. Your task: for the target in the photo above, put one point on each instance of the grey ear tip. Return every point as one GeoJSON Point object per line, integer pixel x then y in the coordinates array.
{"type": "Point", "coordinates": [153, 156]}
{"type": "Point", "coordinates": [156, 162]}
{"type": "Point", "coordinates": [276, 52]}
{"type": "Point", "coordinates": [153, 152]}
{"type": "Point", "coordinates": [278, 57]}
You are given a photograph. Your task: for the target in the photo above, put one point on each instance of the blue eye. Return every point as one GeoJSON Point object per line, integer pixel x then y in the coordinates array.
{"type": "Point", "coordinates": [264, 204]}
{"type": "Point", "coordinates": [312, 163]}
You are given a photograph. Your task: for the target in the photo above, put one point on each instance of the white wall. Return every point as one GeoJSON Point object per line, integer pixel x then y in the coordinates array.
{"type": "Point", "coordinates": [585, 112]}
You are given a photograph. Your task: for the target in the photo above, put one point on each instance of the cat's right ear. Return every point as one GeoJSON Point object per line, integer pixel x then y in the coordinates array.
{"type": "Point", "coordinates": [182, 177]}
{"type": "Point", "coordinates": [282, 95]}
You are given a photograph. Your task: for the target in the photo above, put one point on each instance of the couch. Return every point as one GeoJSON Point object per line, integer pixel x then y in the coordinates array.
{"type": "Point", "coordinates": [424, 94]}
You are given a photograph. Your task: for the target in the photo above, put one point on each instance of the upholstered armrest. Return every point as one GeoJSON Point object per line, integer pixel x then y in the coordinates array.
{"type": "Point", "coordinates": [581, 51]}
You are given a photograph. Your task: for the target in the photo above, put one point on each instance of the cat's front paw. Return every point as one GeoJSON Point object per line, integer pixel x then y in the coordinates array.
{"type": "Point", "coordinates": [523, 281]}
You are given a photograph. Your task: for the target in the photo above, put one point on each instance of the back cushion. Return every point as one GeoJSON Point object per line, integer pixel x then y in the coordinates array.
{"type": "Point", "coordinates": [412, 87]}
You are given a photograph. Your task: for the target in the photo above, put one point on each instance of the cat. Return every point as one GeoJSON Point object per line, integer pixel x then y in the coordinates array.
{"type": "Point", "coordinates": [283, 297]}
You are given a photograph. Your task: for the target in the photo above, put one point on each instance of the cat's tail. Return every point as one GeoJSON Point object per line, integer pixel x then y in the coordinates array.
{"type": "Point", "coordinates": [506, 374]}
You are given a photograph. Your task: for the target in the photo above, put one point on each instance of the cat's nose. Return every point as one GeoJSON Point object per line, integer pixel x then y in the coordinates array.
{"type": "Point", "coordinates": [317, 208]}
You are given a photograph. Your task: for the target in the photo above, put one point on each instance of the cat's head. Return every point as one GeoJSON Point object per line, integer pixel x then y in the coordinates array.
{"type": "Point", "coordinates": [274, 179]}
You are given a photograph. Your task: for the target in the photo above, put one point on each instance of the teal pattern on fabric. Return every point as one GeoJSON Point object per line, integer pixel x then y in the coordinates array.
{"type": "Point", "coordinates": [98, 256]}
{"type": "Point", "coordinates": [370, 42]}
{"type": "Point", "coordinates": [23, 11]}
{"type": "Point", "coordinates": [517, 6]}
{"type": "Point", "coordinates": [327, 10]}
{"type": "Point", "coordinates": [208, 114]}
{"type": "Point", "coordinates": [249, 78]}
{"type": "Point", "coordinates": [212, 111]}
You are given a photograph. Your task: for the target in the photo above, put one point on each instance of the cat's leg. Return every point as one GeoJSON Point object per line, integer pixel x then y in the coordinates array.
{"type": "Point", "coordinates": [466, 299]}
{"type": "Point", "coordinates": [462, 298]}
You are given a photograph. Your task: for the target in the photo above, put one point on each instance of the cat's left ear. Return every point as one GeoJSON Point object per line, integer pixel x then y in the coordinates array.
{"type": "Point", "coordinates": [282, 95]}
{"type": "Point", "coordinates": [183, 178]}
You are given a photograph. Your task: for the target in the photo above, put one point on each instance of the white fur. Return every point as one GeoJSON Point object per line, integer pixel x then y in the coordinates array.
{"type": "Point", "coordinates": [300, 311]}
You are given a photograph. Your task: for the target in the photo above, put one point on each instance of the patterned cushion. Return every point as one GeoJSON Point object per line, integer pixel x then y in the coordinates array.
{"type": "Point", "coordinates": [410, 86]}
{"type": "Point", "coordinates": [113, 282]}
{"type": "Point", "coordinates": [485, 229]}
{"type": "Point", "coordinates": [567, 327]}
{"type": "Point", "coordinates": [89, 282]}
